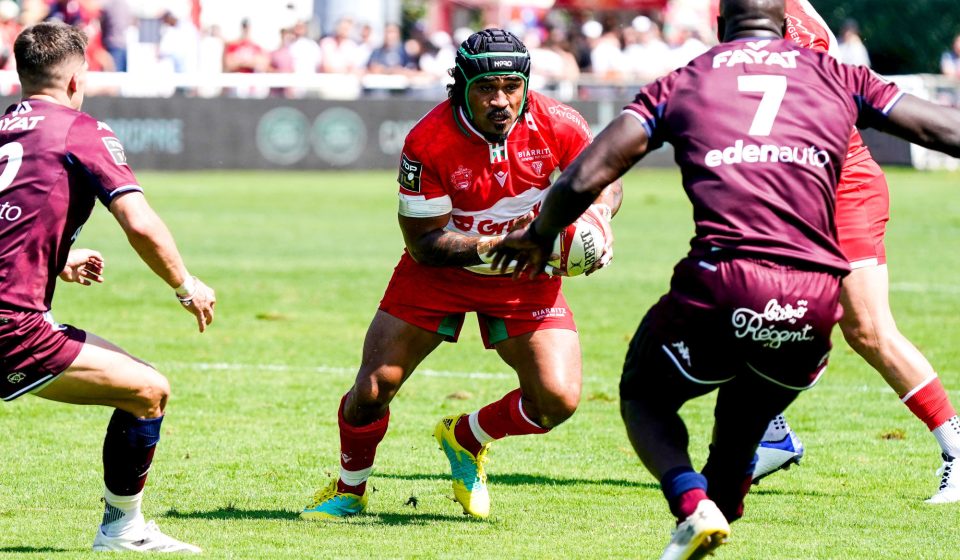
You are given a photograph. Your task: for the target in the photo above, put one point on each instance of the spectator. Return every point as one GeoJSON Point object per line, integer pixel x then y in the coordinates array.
{"type": "Point", "coordinates": [851, 49]}
{"type": "Point", "coordinates": [687, 46]}
{"type": "Point", "coordinates": [339, 53]}
{"type": "Point", "coordinates": [606, 56]}
{"type": "Point", "coordinates": [304, 50]}
{"type": "Point", "coordinates": [244, 55]}
{"type": "Point", "coordinates": [391, 56]}
{"type": "Point", "coordinates": [115, 20]}
{"type": "Point", "coordinates": [179, 43]}
{"type": "Point", "coordinates": [210, 59]}
{"type": "Point", "coordinates": [544, 62]}
{"type": "Point", "coordinates": [439, 55]}
{"type": "Point", "coordinates": [9, 29]}
{"type": "Point", "coordinates": [365, 45]}
{"type": "Point", "coordinates": [281, 60]}
{"type": "Point", "coordinates": [559, 42]}
{"type": "Point", "coordinates": [950, 61]}
{"type": "Point", "coordinates": [648, 57]}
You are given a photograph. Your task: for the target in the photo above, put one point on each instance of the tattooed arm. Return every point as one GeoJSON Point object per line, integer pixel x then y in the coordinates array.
{"type": "Point", "coordinates": [429, 243]}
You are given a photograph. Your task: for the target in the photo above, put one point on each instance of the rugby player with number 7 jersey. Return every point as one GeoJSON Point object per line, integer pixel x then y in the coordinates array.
{"type": "Point", "coordinates": [57, 162]}
{"type": "Point", "coordinates": [863, 208]}
{"type": "Point", "coordinates": [761, 129]}
{"type": "Point", "coordinates": [474, 167]}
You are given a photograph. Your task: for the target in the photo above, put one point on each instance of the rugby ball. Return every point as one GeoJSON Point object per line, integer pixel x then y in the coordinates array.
{"type": "Point", "coordinates": [579, 246]}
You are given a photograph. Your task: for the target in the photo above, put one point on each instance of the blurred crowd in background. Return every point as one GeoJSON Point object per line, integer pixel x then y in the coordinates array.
{"type": "Point", "coordinates": [567, 46]}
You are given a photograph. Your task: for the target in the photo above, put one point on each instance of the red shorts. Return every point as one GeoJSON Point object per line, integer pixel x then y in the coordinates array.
{"type": "Point", "coordinates": [34, 350]}
{"type": "Point", "coordinates": [436, 298]}
{"type": "Point", "coordinates": [863, 208]}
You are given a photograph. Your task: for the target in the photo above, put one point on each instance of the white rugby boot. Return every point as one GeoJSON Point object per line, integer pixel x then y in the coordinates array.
{"type": "Point", "coordinates": [698, 535]}
{"type": "Point", "coordinates": [145, 538]}
{"type": "Point", "coordinates": [949, 491]}
{"type": "Point", "coordinates": [779, 449]}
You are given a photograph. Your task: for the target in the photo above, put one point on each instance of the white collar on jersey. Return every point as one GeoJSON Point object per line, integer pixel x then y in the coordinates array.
{"type": "Point", "coordinates": [473, 129]}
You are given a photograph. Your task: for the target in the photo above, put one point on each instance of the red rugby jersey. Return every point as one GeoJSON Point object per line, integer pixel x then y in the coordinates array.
{"type": "Point", "coordinates": [447, 166]}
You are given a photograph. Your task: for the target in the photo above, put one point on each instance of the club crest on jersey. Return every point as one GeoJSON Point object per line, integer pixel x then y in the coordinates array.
{"type": "Point", "coordinates": [116, 150]}
{"type": "Point", "coordinates": [461, 178]}
{"type": "Point", "coordinates": [410, 171]}
{"type": "Point", "coordinates": [498, 153]}
{"type": "Point", "coordinates": [537, 167]}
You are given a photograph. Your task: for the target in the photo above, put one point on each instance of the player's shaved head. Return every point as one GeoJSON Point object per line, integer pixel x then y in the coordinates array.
{"type": "Point", "coordinates": [750, 18]}
{"type": "Point", "coordinates": [45, 51]}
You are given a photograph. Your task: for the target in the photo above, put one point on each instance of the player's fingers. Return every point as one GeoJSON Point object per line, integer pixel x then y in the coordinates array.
{"type": "Point", "coordinates": [200, 319]}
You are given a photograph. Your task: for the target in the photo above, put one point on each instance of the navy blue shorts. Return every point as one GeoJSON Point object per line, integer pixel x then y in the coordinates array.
{"type": "Point", "coordinates": [736, 318]}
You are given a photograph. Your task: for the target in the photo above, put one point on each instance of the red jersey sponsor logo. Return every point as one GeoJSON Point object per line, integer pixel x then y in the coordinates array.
{"type": "Point", "coordinates": [547, 312]}
{"type": "Point", "coordinates": [486, 226]}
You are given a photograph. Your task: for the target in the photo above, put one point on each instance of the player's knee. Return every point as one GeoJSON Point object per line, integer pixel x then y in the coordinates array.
{"type": "Point", "coordinates": [152, 394]}
{"type": "Point", "coordinates": [554, 409]}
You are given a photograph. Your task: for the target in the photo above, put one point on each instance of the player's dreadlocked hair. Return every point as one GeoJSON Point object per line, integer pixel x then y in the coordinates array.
{"type": "Point", "coordinates": [41, 49]}
{"type": "Point", "coordinates": [491, 52]}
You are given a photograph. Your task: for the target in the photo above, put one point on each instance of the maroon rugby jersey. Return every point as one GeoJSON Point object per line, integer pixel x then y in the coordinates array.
{"type": "Point", "coordinates": [761, 129]}
{"type": "Point", "coordinates": [55, 163]}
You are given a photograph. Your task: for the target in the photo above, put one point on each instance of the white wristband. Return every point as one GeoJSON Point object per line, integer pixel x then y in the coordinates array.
{"type": "Point", "coordinates": [185, 290]}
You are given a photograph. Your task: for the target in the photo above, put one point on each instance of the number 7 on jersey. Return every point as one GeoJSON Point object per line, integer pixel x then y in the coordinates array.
{"type": "Point", "coordinates": [773, 89]}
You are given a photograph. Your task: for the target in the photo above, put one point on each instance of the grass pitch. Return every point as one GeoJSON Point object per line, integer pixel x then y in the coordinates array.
{"type": "Point", "coordinates": [299, 262]}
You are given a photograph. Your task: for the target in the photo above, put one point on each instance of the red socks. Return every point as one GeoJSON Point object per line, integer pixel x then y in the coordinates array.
{"type": "Point", "coordinates": [930, 404]}
{"type": "Point", "coordinates": [358, 448]}
{"type": "Point", "coordinates": [499, 419]}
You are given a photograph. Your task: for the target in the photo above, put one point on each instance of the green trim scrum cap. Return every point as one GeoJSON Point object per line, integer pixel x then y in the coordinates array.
{"type": "Point", "coordinates": [492, 52]}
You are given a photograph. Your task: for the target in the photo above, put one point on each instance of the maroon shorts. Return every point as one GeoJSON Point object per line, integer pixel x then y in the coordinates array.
{"type": "Point", "coordinates": [34, 350]}
{"type": "Point", "coordinates": [437, 298]}
{"type": "Point", "coordinates": [724, 319]}
{"type": "Point", "coordinates": [863, 209]}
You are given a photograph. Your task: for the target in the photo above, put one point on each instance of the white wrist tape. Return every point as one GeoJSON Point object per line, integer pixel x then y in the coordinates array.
{"type": "Point", "coordinates": [185, 291]}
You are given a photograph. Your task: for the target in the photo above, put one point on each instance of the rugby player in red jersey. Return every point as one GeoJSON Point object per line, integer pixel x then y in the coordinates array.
{"type": "Point", "coordinates": [474, 167]}
{"type": "Point", "coordinates": [751, 307]}
{"type": "Point", "coordinates": [863, 208]}
{"type": "Point", "coordinates": [57, 161]}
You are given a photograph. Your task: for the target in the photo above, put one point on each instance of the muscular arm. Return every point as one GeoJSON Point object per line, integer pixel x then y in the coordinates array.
{"type": "Point", "coordinates": [926, 124]}
{"type": "Point", "coordinates": [594, 176]}
{"type": "Point", "coordinates": [149, 237]}
{"type": "Point", "coordinates": [429, 243]}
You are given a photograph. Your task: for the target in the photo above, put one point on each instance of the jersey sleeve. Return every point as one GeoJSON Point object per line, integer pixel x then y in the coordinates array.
{"type": "Point", "coordinates": [806, 28]}
{"type": "Point", "coordinates": [875, 96]}
{"type": "Point", "coordinates": [571, 131]}
{"type": "Point", "coordinates": [422, 194]}
{"type": "Point", "coordinates": [93, 147]}
{"type": "Point", "coordinates": [648, 107]}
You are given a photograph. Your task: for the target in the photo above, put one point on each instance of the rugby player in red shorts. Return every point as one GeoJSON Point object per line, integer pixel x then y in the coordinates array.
{"type": "Point", "coordinates": [867, 323]}
{"type": "Point", "coordinates": [57, 161]}
{"type": "Point", "coordinates": [474, 167]}
{"type": "Point", "coordinates": [752, 305]}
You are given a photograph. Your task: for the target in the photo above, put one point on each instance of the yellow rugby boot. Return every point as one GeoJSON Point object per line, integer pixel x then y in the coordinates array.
{"type": "Point", "coordinates": [330, 503]}
{"type": "Point", "coordinates": [469, 478]}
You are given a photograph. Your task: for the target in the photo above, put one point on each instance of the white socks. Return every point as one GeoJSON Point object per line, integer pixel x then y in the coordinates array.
{"type": "Point", "coordinates": [121, 513]}
{"type": "Point", "coordinates": [948, 436]}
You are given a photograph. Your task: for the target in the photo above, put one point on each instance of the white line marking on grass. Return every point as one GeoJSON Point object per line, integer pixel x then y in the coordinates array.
{"type": "Point", "coordinates": [917, 287]}
{"type": "Point", "coordinates": [226, 366]}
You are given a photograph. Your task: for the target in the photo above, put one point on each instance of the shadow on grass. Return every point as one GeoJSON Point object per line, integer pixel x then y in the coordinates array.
{"type": "Point", "coordinates": [760, 491]}
{"type": "Point", "coordinates": [33, 549]}
{"type": "Point", "coordinates": [231, 512]}
{"type": "Point", "coordinates": [523, 479]}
